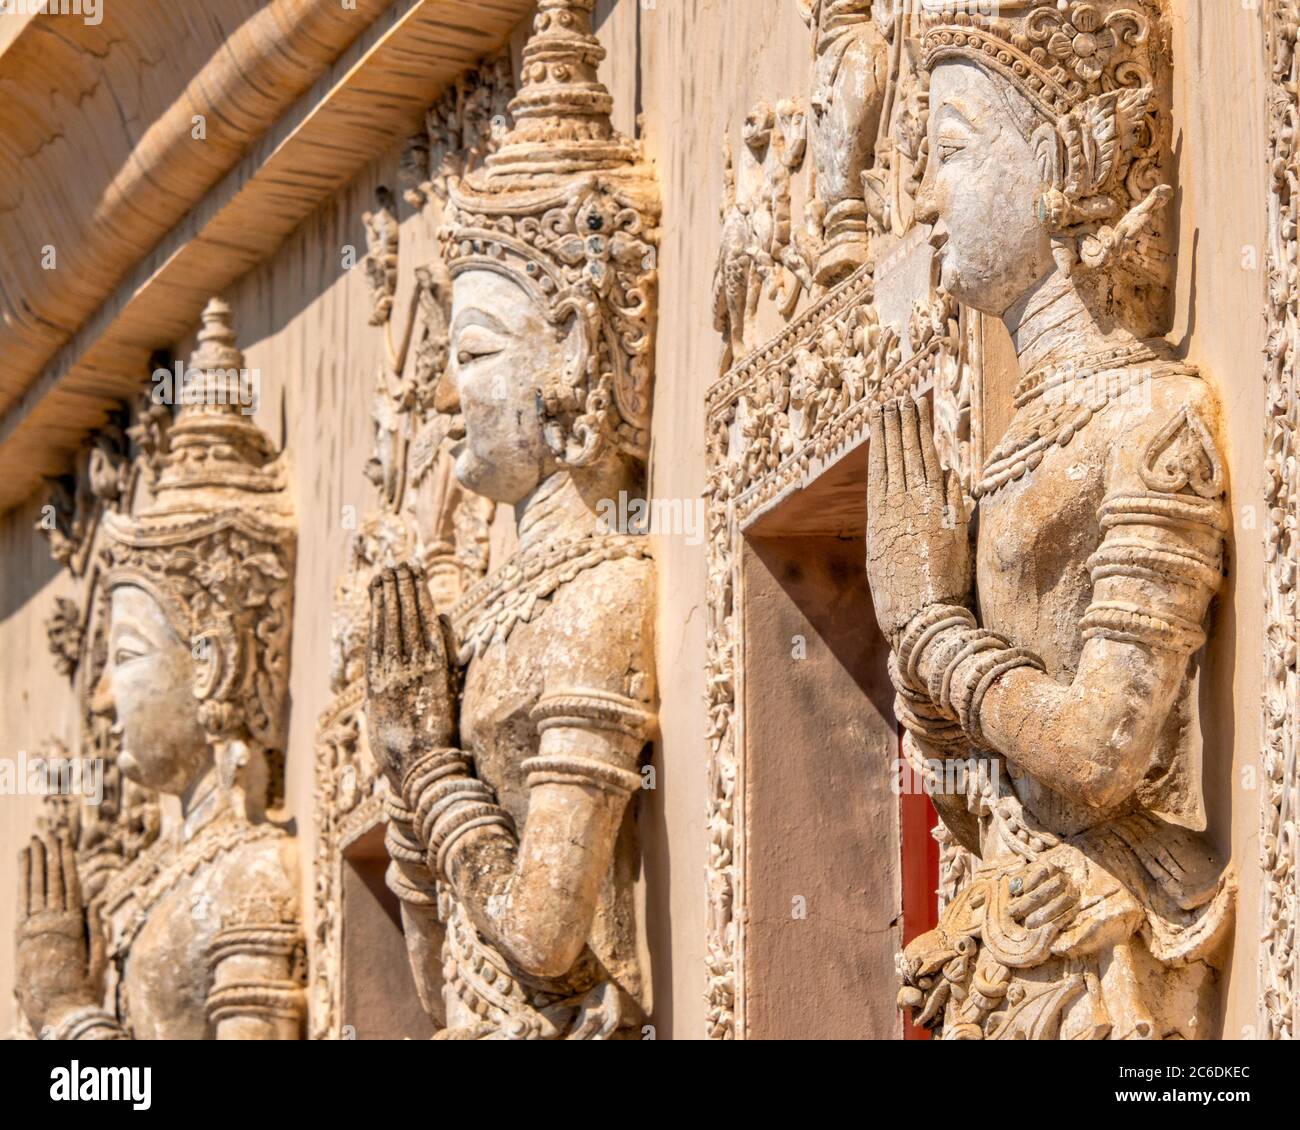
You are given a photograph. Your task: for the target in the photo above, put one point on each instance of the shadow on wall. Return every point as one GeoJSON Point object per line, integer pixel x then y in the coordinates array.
{"type": "Point", "coordinates": [29, 566]}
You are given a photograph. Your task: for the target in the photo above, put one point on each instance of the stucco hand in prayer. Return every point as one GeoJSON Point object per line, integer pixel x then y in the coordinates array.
{"type": "Point", "coordinates": [410, 682]}
{"type": "Point", "coordinates": [60, 946]}
{"type": "Point", "coordinates": [918, 546]}
{"type": "Point", "coordinates": [1045, 895]}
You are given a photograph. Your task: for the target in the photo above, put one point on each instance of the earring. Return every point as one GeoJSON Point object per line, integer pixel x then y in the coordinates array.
{"type": "Point", "coordinates": [1052, 209]}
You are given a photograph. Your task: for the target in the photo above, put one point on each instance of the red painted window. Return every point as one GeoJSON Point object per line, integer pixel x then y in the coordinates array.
{"type": "Point", "coordinates": [920, 871]}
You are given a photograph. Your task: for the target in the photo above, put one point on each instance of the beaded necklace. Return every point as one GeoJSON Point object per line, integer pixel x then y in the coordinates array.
{"type": "Point", "coordinates": [1054, 405]}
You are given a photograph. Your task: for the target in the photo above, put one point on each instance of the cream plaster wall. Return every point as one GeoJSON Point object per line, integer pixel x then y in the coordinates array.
{"type": "Point", "coordinates": [1219, 137]}
{"type": "Point", "coordinates": [692, 68]}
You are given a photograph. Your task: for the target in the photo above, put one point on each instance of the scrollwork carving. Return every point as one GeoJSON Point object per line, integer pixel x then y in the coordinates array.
{"type": "Point", "coordinates": [1279, 843]}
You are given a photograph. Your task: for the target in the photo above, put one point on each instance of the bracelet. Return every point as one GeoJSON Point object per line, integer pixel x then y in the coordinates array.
{"type": "Point", "coordinates": [925, 626]}
{"type": "Point", "coordinates": [431, 767]}
{"type": "Point", "coordinates": [443, 797]}
{"type": "Point", "coordinates": [918, 713]}
{"type": "Point", "coordinates": [400, 836]}
{"type": "Point", "coordinates": [569, 769]}
{"type": "Point", "coordinates": [459, 823]}
{"type": "Point", "coordinates": [89, 1023]}
{"type": "Point", "coordinates": [585, 708]}
{"type": "Point", "coordinates": [408, 875]}
{"type": "Point", "coordinates": [963, 667]}
{"type": "Point", "coordinates": [971, 644]}
{"type": "Point", "coordinates": [444, 801]}
{"type": "Point", "coordinates": [267, 1000]}
{"type": "Point", "coordinates": [933, 728]}
{"type": "Point", "coordinates": [405, 882]}
{"type": "Point", "coordinates": [1006, 661]}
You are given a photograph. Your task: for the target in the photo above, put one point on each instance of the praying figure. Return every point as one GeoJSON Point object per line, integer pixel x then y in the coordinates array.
{"type": "Point", "coordinates": [199, 936]}
{"type": "Point", "coordinates": [512, 729]}
{"type": "Point", "coordinates": [1058, 662]}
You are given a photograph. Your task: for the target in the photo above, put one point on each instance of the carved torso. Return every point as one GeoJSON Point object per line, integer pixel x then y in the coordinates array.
{"type": "Point", "coordinates": [1038, 533]}
{"type": "Point", "coordinates": [165, 913]}
{"type": "Point", "coordinates": [573, 622]}
{"type": "Point", "coordinates": [1101, 520]}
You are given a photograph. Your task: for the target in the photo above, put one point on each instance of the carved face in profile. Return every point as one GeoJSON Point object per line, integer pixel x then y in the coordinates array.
{"type": "Point", "coordinates": [503, 351]}
{"type": "Point", "coordinates": [148, 685]}
{"type": "Point", "coordinates": [981, 189]}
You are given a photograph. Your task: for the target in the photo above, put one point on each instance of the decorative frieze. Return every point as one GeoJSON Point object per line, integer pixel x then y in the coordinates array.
{"type": "Point", "coordinates": [1279, 843]}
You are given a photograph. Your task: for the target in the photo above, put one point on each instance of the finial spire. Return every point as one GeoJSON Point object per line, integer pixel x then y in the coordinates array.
{"type": "Point", "coordinates": [215, 442]}
{"type": "Point", "coordinates": [561, 113]}
{"type": "Point", "coordinates": [217, 349]}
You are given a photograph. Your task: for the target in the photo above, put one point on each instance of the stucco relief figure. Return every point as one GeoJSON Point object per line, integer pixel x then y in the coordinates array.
{"type": "Point", "coordinates": [1061, 658]}
{"type": "Point", "coordinates": [198, 937]}
{"type": "Point", "coordinates": [850, 85]}
{"type": "Point", "coordinates": [512, 729]}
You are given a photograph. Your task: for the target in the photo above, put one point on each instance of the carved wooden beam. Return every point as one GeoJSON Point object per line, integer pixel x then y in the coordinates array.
{"type": "Point", "coordinates": [97, 136]}
{"type": "Point", "coordinates": [146, 233]}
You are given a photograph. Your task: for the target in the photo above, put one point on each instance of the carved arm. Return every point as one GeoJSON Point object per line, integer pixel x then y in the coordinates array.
{"type": "Point", "coordinates": [256, 994]}
{"type": "Point", "coordinates": [1154, 574]}
{"type": "Point", "coordinates": [535, 896]}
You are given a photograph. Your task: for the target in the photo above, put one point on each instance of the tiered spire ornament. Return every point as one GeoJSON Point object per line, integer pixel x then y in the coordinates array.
{"type": "Point", "coordinates": [566, 208]}
{"type": "Point", "coordinates": [561, 113]}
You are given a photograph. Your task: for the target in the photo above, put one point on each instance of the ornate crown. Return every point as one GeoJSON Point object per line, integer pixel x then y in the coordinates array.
{"type": "Point", "coordinates": [1087, 68]}
{"type": "Point", "coordinates": [215, 547]}
{"type": "Point", "coordinates": [1058, 53]}
{"type": "Point", "coordinates": [566, 209]}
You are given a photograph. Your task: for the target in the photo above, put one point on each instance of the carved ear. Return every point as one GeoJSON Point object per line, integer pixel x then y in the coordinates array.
{"type": "Point", "coordinates": [216, 657]}
{"type": "Point", "coordinates": [435, 301]}
{"type": "Point", "coordinates": [564, 396]}
{"type": "Point", "coordinates": [1046, 144]}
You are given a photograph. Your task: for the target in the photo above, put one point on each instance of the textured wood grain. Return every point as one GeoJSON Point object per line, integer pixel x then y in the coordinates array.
{"type": "Point", "coordinates": [366, 98]}
{"type": "Point", "coordinates": [97, 145]}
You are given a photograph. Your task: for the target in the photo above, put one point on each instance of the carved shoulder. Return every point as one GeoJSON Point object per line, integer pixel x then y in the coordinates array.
{"type": "Point", "coordinates": [600, 637]}
{"type": "Point", "coordinates": [1166, 440]}
{"type": "Point", "coordinates": [256, 875]}
{"type": "Point", "coordinates": [1163, 519]}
